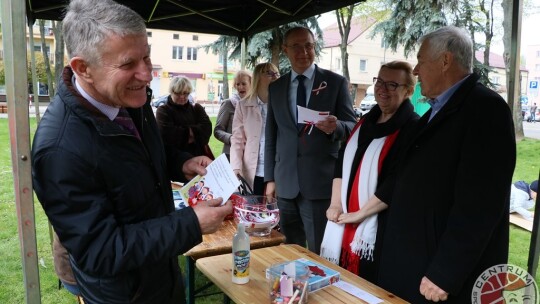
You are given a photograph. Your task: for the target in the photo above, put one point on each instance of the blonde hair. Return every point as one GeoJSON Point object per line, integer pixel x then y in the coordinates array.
{"type": "Point", "coordinates": [180, 84]}
{"type": "Point", "coordinates": [240, 74]}
{"type": "Point", "coordinates": [259, 70]}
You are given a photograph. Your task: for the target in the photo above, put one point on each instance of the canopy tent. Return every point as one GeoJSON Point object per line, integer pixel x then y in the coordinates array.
{"type": "Point", "coordinates": [240, 18]}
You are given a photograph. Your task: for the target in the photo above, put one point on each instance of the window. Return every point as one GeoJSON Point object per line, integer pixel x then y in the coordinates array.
{"type": "Point", "coordinates": [148, 34]}
{"type": "Point", "coordinates": [383, 44]}
{"type": "Point", "coordinates": [363, 65]}
{"type": "Point", "coordinates": [175, 36]}
{"type": "Point", "coordinates": [195, 37]}
{"type": "Point", "coordinates": [495, 79]}
{"type": "Point", "coordinates": [537, 53]}
{"type": "Point", "coordinates": [37, 48]}
{"type": "Point", "coordinates": [191, 53]}
{"type": "Point", "coordinates": [537, 67]}
{"type": "Point", "coordinates": [338, 63]}
{"type": "Point", "coordinates": [177, 52]}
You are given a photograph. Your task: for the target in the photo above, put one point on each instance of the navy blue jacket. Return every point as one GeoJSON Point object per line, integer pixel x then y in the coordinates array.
{"type": "Point", "coordinates": [108, 197]}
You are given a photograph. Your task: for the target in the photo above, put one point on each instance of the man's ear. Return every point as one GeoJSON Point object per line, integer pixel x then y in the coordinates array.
{"type": "Point", "coordinates": [81, 69]}
{"type": "Point", "coordinates": [448, 59]}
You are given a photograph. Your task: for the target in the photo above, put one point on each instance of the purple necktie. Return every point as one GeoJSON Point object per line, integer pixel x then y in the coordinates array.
{"type": "Point", "coordinates": [125, 121]}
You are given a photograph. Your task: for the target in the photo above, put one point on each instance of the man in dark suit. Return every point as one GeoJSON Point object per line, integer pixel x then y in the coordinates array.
{"type": "Point", "coordinates": [299, 163]}
{"type": "Point", "coordinates": [448, 217]}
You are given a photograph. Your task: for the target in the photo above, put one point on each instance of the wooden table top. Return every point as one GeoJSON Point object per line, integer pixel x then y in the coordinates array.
{"type": "Point", "coordinates": [220, 242]}
{"type": "Point", "coordinates": [218, 270]}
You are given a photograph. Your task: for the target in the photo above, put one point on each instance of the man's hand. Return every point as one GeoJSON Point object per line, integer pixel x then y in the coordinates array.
{"type": "Point", "coordinates": [195, 166]}
{"type": "Point", "coordinates": [328, 125]}
{"type": "Point", "coordinates": [431, 291]}
{"type": "Point", "coordinates": [270, 190]}
{"type": "Point", "coordinates": [211, 214]}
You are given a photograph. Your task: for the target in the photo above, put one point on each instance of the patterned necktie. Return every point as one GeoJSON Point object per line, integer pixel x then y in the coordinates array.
{"type": "Point", "coordinates": [125, 121]}
{"type": "Point", "coordinates": [300, 96]}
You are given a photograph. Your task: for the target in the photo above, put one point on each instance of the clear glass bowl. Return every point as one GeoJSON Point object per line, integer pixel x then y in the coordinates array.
{"type": "Point", "coordinates": [258, 214]}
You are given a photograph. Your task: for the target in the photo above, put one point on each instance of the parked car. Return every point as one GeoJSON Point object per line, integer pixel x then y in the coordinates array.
{"type": "Point", "coordinates": [367, 103]}
{"type": "Point", "coordinates": [158, 102]}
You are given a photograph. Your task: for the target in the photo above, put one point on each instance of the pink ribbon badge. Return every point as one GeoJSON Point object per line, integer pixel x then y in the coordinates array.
{"type": "Point", "coordinates": [321, 87]}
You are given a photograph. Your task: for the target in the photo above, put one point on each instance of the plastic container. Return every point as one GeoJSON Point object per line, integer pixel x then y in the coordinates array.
{"type": "Point", "coordinates": [258, 214]}
{"type": "Point", "coordinates": [288, 283]}
{"type": "Point", "coordinates": [240, 254]}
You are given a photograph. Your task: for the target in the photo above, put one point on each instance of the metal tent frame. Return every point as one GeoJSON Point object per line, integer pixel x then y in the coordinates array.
{"type": "Point", "coordinates": [240, 18]}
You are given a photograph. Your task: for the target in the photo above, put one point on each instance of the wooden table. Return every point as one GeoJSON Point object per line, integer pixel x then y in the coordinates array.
{"type": "Point", "coordinates": [219, 243]}
{"type": "Point", "coordinates": [218, 270]}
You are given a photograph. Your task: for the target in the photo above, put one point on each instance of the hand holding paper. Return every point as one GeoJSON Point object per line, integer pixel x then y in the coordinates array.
{"type": "Point", "coordinates": [306, 115]}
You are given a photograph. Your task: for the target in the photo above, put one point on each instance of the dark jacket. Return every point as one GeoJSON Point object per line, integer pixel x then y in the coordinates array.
{"type": "Point", "coordinates": [174, 122]}
{"type": "Point", "coordinates": [224, 121]}
{"type": "Point", "coordinates": [448, 217]}
{"type": "Point", "coordinates": [108, 197]}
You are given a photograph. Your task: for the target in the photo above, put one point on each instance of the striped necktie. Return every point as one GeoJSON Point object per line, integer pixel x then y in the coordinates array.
{"type": "Point", "coordinates": [125, 121]}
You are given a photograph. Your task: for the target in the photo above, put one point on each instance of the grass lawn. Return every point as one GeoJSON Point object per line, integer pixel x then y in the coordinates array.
{"type": "Point", "coordinates": [11, 279]}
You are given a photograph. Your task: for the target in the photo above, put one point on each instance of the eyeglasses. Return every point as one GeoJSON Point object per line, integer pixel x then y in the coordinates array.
{"type": "Point", "coordinates": [182, 93]}
{"type": "Point", "coordinates": [300, 48]}
{"type": "Point", "coordinates": [389, 85]}
{"type": "Point", "coordinates": [272, 74]}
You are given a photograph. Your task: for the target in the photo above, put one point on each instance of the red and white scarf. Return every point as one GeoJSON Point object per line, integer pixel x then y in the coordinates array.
{"type": "Point", "coordinates": [363, 242]}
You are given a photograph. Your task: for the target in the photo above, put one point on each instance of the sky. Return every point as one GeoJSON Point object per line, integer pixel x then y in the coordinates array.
{"type": "Point", "coordinates": [529, 29]}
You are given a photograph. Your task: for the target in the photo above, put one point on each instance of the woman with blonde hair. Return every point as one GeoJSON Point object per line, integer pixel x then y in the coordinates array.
{"type": "Point", "coordinates": [224, 121]}
{"type": "Point", "coordinates": [247, 141]}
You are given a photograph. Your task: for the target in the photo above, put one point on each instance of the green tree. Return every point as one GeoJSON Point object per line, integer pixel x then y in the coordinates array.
{"type": "Point", "coordinates": [223, 46]}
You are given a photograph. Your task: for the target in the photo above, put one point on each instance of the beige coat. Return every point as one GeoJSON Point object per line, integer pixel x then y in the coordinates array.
{"type": "Point", "coordinates": [246, 135]}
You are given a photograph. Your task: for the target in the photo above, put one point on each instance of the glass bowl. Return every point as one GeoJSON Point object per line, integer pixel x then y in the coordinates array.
{"type": "Point", "coordinates": [258, 214]}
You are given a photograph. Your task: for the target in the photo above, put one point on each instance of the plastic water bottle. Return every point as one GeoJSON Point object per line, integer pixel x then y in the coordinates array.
{"type": "Point", "coordinates": [240, 253]}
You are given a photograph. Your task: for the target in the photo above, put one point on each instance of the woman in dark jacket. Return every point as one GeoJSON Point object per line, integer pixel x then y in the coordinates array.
{"type": "Point", "coordinates": [363, 176]}
{"type": "Point", "coordinates": [184, 126]}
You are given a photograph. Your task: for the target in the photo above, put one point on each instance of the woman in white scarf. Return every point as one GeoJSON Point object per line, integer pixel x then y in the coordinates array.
{"type": "Point", "coordinates": [363, 181]}
{"type": "Point", "coordinates": [224, 120]}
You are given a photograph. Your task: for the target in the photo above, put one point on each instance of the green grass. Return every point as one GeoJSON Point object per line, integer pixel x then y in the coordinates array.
{"type": "Point", "coordinates": [11, 274]}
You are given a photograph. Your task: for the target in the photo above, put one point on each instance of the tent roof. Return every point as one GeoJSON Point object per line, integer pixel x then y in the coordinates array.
{"type": "Point", "coordinates": [240, 18]}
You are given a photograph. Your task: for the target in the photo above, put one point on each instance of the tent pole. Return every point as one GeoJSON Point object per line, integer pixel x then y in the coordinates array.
{"type": "Point", "coordinates": [14, 40]}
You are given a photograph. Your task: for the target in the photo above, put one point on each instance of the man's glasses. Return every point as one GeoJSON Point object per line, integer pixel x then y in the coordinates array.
{"type": "Point", "coordinates": [182, 93]}
{"type": "Point", "coordinates": [300, 48]}
{"type": "Point", "coordinates": [272, 74]}
{"type": "Point", "coordinates": [389, 85]}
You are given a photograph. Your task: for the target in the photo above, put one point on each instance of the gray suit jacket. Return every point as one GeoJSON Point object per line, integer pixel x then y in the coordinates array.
{"type": "Point", "coordinates": [305, 164]}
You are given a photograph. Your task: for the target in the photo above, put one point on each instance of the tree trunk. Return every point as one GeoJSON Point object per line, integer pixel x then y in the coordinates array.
{"type": "Point", "coordinates": [224, 51]}
{"type": "Point", "coordinates": [58, 54]}
{"type": "Point", "coordinates": [46, 59]}
{"type": "Point", "coordinates": [276, 46]}
{"type": "Point", "coordinates": [507, 35]}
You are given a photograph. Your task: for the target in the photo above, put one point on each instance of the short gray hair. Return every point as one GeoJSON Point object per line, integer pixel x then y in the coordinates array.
{"type": "Point", "coordinates": [454, 40]}
{"type": "Point", "coordinates": [88, 23]}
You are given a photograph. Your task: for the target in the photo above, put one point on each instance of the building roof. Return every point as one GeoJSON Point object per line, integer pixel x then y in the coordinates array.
{"type": "Point", "coordinates": [359, 25]}
{"type": "Point", "coordinates": [495, 60]}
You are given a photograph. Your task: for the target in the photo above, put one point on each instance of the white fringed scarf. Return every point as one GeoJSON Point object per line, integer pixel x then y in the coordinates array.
{"type": "Point", "coordinates": [363, 243]}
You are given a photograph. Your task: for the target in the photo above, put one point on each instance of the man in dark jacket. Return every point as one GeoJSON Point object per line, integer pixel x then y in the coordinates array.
{"type": "Point", "coordinates": [448, 217]}
{"type": "Point", "coordinates": [99, 171]}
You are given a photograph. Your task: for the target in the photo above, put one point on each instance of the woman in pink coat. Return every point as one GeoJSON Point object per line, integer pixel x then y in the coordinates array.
{"type": "Point", "coordinates": [247, 141]}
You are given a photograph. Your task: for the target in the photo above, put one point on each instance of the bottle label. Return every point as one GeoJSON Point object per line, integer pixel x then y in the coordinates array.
{"type": "Point", "coordinates": [241, 264]}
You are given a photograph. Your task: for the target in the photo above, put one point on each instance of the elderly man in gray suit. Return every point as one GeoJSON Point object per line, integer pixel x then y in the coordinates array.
{"type": "Point", "coordinates": [299, 160]}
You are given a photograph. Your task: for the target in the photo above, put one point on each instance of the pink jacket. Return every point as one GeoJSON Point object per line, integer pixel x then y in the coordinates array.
{"type": "Point", "coordinates": [246, 134]}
